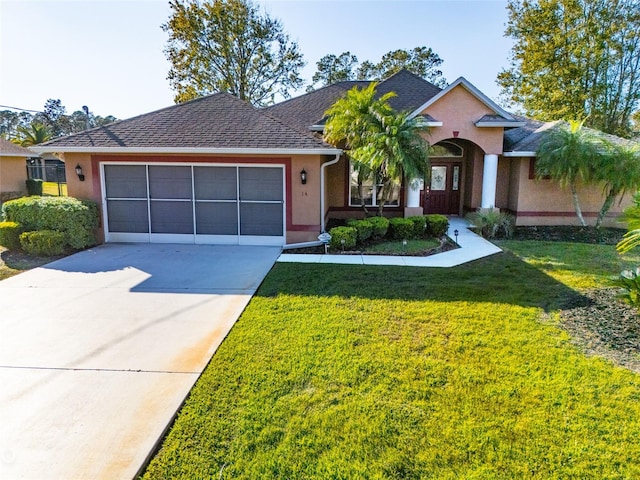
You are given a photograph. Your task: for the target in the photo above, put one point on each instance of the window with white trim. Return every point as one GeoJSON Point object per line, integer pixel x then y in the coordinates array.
{"type": "Point", "coordinates": [367, 188]}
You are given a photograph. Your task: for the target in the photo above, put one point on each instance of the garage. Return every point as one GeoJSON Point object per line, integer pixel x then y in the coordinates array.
{"type": "Point", "coordinates": [194, 203]}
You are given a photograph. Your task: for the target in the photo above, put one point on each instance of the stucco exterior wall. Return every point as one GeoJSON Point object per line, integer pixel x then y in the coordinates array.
{"type": "Point", "coordinates": [544, 202]}
{"type": "Point", "coordinates": [13, 175]}
{"type": "Point", "coordinates": [458, 111]}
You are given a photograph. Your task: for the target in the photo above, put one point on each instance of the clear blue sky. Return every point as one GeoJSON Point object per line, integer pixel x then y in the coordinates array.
{"type": "Point", "coordinates": [109, 56]}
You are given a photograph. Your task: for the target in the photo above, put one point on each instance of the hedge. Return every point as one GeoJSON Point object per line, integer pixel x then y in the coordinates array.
{"type": "Point", "coordinates": [348, 234]}
{"type": "Point", "coordinates": [419, 226]}
{"type": "Point", "coordinates": [10, 235]}
{"type": "Point", "coordinates": [76, 219]}
{"type": "Point", "coordinates": [43, 243]}
{"type": "Point", "coordinates": [364, 229]}
{"type": "Point", "coordinates": [401, 228]}
{"type": "Point", "coordinates": [437, 225]}
{"type": "Point", "coordinates": [34, 186]}
{"type": "Point", "coordinates": [380, 226]}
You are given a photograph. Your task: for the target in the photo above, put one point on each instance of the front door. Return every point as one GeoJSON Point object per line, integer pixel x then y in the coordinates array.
{"type": "Point", "coordinates": [442, 192]}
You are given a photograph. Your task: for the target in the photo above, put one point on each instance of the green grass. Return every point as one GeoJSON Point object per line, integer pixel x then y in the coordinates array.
{"type": "Point", "coordinates": [413, 247]}
{"type": "Point", "coordinates": [578, 265]}
{"type": "Point", "coordinates": [12, 263]}
{"type": "Point", "coordinates": [51, 188]}
{"type": "Point", "coordinates": [354, 372]}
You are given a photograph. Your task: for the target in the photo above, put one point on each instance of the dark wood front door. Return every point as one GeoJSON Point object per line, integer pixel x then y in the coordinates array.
{"type": "Point", "coordinates": [442, 192]}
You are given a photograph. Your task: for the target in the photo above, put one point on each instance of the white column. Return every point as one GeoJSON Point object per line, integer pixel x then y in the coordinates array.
{"type": "Point", "coordinates": [413, 193]}
{"type": "Point", "coordinates": [489, 181]}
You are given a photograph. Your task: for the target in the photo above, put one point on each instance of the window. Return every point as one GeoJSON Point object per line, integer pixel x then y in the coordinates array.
{"type": "Point", "coordinates": [445, 149]}
{"type": "Point", "coordinates": [367, 188]}
{"type": "Point", "coordinates": [533, 173]}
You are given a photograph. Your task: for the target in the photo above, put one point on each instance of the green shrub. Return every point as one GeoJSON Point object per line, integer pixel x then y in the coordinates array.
{"type": "Point", "coordinates": [437, 225]}
{"type": "Point", "coordinates": [380, 226]}
{"type": "Point", "coordinates": [364, 229]}
{"type": "Point", "coordinates": [348, 234]}
{"type": "Point", "coordinates": [77, 219]}
{"type": "Point", "coordinates": [492, 223]}
{"type": "Point", "coordinates": [400, 228]}
{"type": "Point", "coordinates": [630, 282]}
{"type": "Point", "coordinates": [10, 235]}
{"type": "Point", "coordinates": [419, 226]}
{"type": "Point", "coordinates": [34, 186]}
{"type": "Point", "coordinates": [43, 243]}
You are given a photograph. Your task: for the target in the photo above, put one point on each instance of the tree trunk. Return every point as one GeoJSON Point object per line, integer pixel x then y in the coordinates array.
{"type": "Point", "coordinates": [576, 205]}
{"type": "Point", "coordinates": [606, 206]}
{"type": "Point", "coordinates": [361, 195]}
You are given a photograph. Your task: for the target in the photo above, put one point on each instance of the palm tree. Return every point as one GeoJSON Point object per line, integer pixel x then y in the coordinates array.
{"type": "Point", "coordinates": [570, 154]}
{"type": "Point", "coordinates": [632, 218]}
{"type": "Point", "coordinates": [34, 134]}
{"type": "Point", "coordinates": [619, 171]}
{"type": "Point", "coordinates": [381, 142]}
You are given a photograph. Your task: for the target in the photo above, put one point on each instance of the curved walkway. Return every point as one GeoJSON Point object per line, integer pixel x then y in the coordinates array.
{"type": "Point", "coordinates": [472, 247]}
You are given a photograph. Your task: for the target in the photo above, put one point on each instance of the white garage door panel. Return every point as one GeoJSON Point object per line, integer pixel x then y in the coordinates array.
{"type": "Point", "coordinates": [178, 203]}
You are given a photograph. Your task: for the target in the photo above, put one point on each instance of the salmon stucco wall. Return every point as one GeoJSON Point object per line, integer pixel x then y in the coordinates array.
{"type": "Point", "coordinates": [13, 177]}
{"type": "Point", "coordinates": [305, 199]}
{"type": "Point", "coordinates": [303, 204]}
{"type": "Point", "coordinates": [458, 111]}
{"type": "Point", "coordinates": [544, 202]}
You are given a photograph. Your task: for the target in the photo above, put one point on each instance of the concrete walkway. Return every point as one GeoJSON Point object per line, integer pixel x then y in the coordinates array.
{"type": "Point", "coordinates": [472, 247]}
{"type": "Point", "coordinates": [99, 350]}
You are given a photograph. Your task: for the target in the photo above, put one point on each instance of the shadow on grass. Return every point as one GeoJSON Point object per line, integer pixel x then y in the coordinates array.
{"type": "Point", "coordinates": [22, 261]}
{"type": "Point", "coordinates": [501, 278]}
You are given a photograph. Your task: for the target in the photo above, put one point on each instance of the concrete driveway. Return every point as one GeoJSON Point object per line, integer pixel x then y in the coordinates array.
{"type": "Point", "coordinates": [98, 351]}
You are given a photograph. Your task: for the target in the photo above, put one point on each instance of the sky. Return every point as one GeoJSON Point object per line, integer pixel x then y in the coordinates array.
{"type": "Point", "coordinates": [109, 54]}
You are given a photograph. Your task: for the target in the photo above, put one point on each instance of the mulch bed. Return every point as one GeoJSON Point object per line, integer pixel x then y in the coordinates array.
{"type": "Point", "coordinates": [445, 247]}
{"type": "Point", "coordinates": [603, 324]}
{"type": "Point", "coordinates": [603, 236]}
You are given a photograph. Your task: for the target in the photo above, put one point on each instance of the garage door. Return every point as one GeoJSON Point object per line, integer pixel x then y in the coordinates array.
{"type": "Point", "coordinates": [234, 204]}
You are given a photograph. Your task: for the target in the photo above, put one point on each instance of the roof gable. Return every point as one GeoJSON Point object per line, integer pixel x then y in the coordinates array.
{"type": "Point", "coordinates": [216, 123]}
{"type": "Point", "coordinates": [464, 83]}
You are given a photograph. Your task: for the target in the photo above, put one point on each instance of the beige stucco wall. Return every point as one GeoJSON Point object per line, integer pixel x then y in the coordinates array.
{"type": "Point", "coordinates": [303, 208]}
{"type": "Point", "coordinates": [13, 175]}
{"type": "Point", "coordinates": [544, 202]}
{"type": "Point", "coordinates": [458, 111]}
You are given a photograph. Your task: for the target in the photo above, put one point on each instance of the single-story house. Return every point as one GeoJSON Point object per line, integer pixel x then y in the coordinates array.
{"type": "Point", "coordinates": [13, 170]}
{"type": "Point", "coordinates": [217, 170]}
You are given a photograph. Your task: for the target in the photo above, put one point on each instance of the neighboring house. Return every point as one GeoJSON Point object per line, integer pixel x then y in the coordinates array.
{"type": "Point", "coordinates": [13, 170]}
{"type": "Point", "coordinates": [217, 170]}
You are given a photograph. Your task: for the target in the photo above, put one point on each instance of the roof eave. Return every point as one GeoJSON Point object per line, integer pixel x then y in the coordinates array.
{"type": "Point", "coordinates": [191, 150]}
{"type": "Point", "coordinates": [500, 124]}
{"type": "Point", "coordinates": [523, 153]}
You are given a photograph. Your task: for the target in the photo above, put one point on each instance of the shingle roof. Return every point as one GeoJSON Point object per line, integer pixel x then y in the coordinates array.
{"type": "Point", "coordinates": [523, 139]}
{"type": "Point", "coordinates": [529, 137]}
{"type": "Point", "coordinates": [413, 91]}
{"type": "Point", "coordinates": [9, 149]}
{"type": "Point", "coordinates": [307, 110]}
{"type": "Point", "coordinates": [218, 121]}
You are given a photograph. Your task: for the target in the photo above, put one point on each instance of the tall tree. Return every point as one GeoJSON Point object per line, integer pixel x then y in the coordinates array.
{"type": "Point", "coordinates": [382, 142]}
{"type": "Point", "coordinates": [331, 68]}
{"type": "Point", "coordinates": [575, 59]}
{"type": "Point", "coordinates": [568, 154]}
{"type": "Point", "coordinates": [55, 118]}
{"type": "Point", "coordinates": [229, 46]}
{"type": "Point", "coordinates": [422, 61]}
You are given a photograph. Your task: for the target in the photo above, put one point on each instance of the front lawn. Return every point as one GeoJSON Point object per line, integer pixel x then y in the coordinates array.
{"type": "Point", "coordinates": [350, 372]}
{"type": "Point", "coordinates": [12, 263]}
